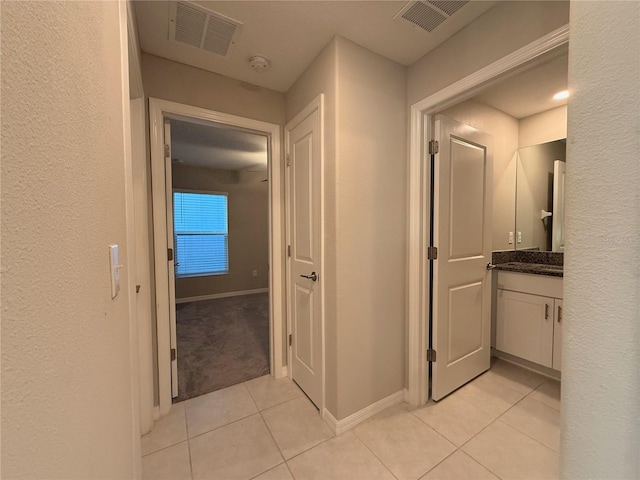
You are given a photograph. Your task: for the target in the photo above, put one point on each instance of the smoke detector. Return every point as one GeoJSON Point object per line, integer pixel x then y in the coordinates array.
{"type": "Point", "coordinates": [259, 63]}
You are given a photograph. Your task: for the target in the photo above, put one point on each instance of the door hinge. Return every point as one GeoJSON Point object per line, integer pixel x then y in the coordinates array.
{"type": "Point", "coordinates": [432, 253]}
{"type": "Point", "coordinates": [431, 355]}
{"type": "Point", "coordinates": [290, 339]}
{"type": "Point", "coordinates": [167, 151]}
{"type": "Point", "coordinates": [173, 354]}
{"type": "Point", "coordinates": [288, 160]}
{"type": "Point", "coordinates": [288, 250]}
{"type": "Point", "coordinates": [434, 147]}
{"type": "Point", "coordinates": [169, 254]}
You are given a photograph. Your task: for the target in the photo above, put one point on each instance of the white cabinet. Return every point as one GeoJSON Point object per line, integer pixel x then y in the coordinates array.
{"type": "Point", "coordinates": [529, 317]}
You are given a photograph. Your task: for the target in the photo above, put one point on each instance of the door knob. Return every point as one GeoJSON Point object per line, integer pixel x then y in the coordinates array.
{"type": "Point", "coordinates": [313, 276]}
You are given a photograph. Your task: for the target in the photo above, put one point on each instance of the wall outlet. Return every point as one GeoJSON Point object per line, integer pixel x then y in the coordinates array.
{"type": "Point", "coordinates": [510, 238]}
{"type": "Point", "coordinates": [255, 273]}
{"type": "Point", "coordinates": [519, 237]}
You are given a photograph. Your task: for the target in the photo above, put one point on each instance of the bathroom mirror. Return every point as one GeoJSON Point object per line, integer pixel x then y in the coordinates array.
{"type": "Point", "coordinates": [540, 196]}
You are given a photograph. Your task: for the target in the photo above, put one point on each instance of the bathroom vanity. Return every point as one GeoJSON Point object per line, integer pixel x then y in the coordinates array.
{"type": "Point", "coordinates": [528, 308]}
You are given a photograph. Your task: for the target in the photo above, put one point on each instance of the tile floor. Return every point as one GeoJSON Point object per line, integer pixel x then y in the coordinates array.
{"type": "Point", "coordinates": [504, 424]}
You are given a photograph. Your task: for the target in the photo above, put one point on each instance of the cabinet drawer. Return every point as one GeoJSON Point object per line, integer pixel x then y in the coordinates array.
{"type": "Point", "coordinates": [528, 283]}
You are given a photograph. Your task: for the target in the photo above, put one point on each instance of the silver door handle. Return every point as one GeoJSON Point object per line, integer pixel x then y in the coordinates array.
{"type": "Point", "coordinates": [313, 276]}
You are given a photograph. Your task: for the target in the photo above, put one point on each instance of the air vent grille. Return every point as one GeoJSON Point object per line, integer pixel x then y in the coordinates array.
{"type": "Point", "coordinates": [449, 7]}
{"type": "Point", "coordinates": [429, 14]}
{"type": "Point", "coordinates": [190, 24]}
{"type": "Point", "coordinates": [423, 16]}
{"type": "Point", "coordinates": [201, 28]}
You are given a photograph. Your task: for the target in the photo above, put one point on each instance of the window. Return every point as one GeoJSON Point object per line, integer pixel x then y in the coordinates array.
{"type": "Point", "coordinates": [201, 233]}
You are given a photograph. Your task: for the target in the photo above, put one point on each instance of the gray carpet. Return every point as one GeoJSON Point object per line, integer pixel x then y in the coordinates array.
{"type": "Point", "coordinates": [221, 342]}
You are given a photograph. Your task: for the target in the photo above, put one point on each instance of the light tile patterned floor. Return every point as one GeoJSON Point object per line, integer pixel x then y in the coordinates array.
{"type": "Point", "coordinates": [503, 425]}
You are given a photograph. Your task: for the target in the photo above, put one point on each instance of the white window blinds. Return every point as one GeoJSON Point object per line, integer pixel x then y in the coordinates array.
{"type": "Point", "coordinates": [201, 233]}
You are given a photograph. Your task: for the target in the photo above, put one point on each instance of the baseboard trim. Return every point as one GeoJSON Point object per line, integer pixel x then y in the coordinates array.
{"type": "Point", "coordinates": [285, 371]}
{"type": "Point", "coordinates": [405, 395]}
{"type": "Point", "coordinates": [213, 296]}
{"type": "Point", "coordinates": [340, 426]}
{"type": "Point", "coordinates": [156, 412]}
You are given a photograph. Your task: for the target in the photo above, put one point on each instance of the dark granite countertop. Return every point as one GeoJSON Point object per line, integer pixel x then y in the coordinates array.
{"type": "Point", "coordinates": [534, 268]}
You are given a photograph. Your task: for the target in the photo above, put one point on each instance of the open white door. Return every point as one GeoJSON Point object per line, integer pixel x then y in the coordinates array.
{"type": "Point", "coordinates": [304, 144]}
{"type": "Point", "coordinates": [171, 259]}
{"type": "Point", "coordinates": [461, 319]}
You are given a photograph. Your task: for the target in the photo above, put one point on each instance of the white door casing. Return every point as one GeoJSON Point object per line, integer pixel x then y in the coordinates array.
{"type": "Point", "coordinates": [159, 110]}
{"type": "Point", "coordinates": [171, 259]}
{"type": "Point", "coordinates": [303, 143]}
{"type": "Point", "coordinates": [419, 177]}
{"type": "Point", "coordinates": [462, 233]}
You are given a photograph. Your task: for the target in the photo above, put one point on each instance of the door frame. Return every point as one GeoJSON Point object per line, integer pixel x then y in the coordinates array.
{"type": "Point", "coordinates": [159, 110]}
{"type": "Point", "coordinates": [317, 104]}
{"type": "Point", "coordinates": [419, 181]}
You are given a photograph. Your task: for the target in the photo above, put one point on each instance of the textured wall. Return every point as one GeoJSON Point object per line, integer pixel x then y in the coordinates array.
{"type": "Point", "coordinates": [601, 337]}
{"type": "Point", "coordinates": [66, 386]}
{"type": "Point", "coordinates": [502, 30]}
{"type": "Point", "coordinates": [248, 198]}
{"type": "Point", "coordinates": [189, 85]}
{"type": "Point", "coordinates": [504, 129]}
{"type": "Point", "coordinates": [371, 192]}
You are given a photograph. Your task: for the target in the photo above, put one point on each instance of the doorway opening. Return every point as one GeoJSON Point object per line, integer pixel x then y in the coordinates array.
{"type": "Point", "coordinates": [218, 249]}
{"type": "Point", "coordinates": [219, 177]}
{"type": "Point", "coordinates": [423, 335]}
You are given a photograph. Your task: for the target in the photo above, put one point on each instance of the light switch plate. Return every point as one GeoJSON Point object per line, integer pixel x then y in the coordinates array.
{"type": "Point", "coordinates": [114, 264]}
{"type": "Point", "coordinates": [510, 238]}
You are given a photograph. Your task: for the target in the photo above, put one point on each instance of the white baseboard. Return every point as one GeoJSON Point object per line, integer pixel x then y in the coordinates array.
{"type": "Point", "coordinates": [221, 295]}
{"type": "Point", "coordinates": [156, 412]}
{"type": "Point", "coordinates": [405, 395]}
{"type": "Point", "coordinates": [340, 426]}
{"type": "Point", "coordinates": [285, 371]}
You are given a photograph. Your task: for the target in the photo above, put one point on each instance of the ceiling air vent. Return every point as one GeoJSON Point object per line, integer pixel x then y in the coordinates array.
{"type": "Point", "coordinates": [201, 28]}
{"type": "Point", "coordinates": [429, 14]}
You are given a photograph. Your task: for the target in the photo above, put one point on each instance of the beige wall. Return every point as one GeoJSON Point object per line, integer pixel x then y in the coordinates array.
{"type": "Point", "coordinates": [248, 200]}
{"type": "Point", "coordinates": [543, 127]}
{"type": "Point", "coordinates": [504, 130]}
{"type": "Point", "coordinates": [371, 212]}
{"type": "Point", "coordinates": [600, 392]}
{"type": "Point", "coordinates": [189, 85]}
{"type": "Point", "coordinates": [365, 208]}
{"type": "Point", "coordinates": [66, 372]}
{"type": "Point", "coordinates": [502, 30]}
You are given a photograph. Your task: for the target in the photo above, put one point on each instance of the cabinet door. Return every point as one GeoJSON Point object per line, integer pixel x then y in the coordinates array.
{"type": "Point", "coordinates": [557, 334]}
{"type": "Point", "coordinates": [525, 326]}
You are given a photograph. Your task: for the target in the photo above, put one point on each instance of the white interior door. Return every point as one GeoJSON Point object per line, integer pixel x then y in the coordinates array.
{"type": "Point", "coordinates": [171, 259]}
{"type": "Point", "coordinates": [303, 144]}
{"type": "Point", "coordinates": [462, 233]}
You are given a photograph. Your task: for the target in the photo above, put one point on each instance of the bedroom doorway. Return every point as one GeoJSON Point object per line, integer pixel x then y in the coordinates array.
{"type": "Point", "coordinates": [216, 197]}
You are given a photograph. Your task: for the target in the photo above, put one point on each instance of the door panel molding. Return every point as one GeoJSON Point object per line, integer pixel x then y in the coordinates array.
{"type": "Point", "coordinates": [313, 112]}
{"type": "Point", "coordinates": [418, 182]}
{"type": "Point", "coordinates": [158, 111]}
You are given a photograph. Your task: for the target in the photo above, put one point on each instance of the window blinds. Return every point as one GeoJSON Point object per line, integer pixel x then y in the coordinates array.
{"type": "Point", "coordinates": [201, 233]}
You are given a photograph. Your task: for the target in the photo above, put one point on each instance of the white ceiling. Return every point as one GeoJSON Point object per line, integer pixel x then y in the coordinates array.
{"type": "Point", "coordinates": [217, 146]}
{"type": "Point", "coordinates": [292, 33]}
{"type": "Point", "coordinates": [529, 92]}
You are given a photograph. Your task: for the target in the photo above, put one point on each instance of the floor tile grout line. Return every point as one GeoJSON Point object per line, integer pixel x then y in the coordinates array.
{"type": "Point", "coordinates": [190, 459]}
{"type": "Point", "coordinates": [268, 469]}
{"type": "Point", "coordinates": [225, 425]}
{"type": "Point", "coordinates": [272, 437]}
{"type": "Point", "coordinates": [373, 453]}
{"type": "Point", "coordinates": [164, 448]}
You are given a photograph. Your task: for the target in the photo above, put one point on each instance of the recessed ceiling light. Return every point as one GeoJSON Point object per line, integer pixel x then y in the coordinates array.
{"type": "Point", "coordinates": [561, 95]}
